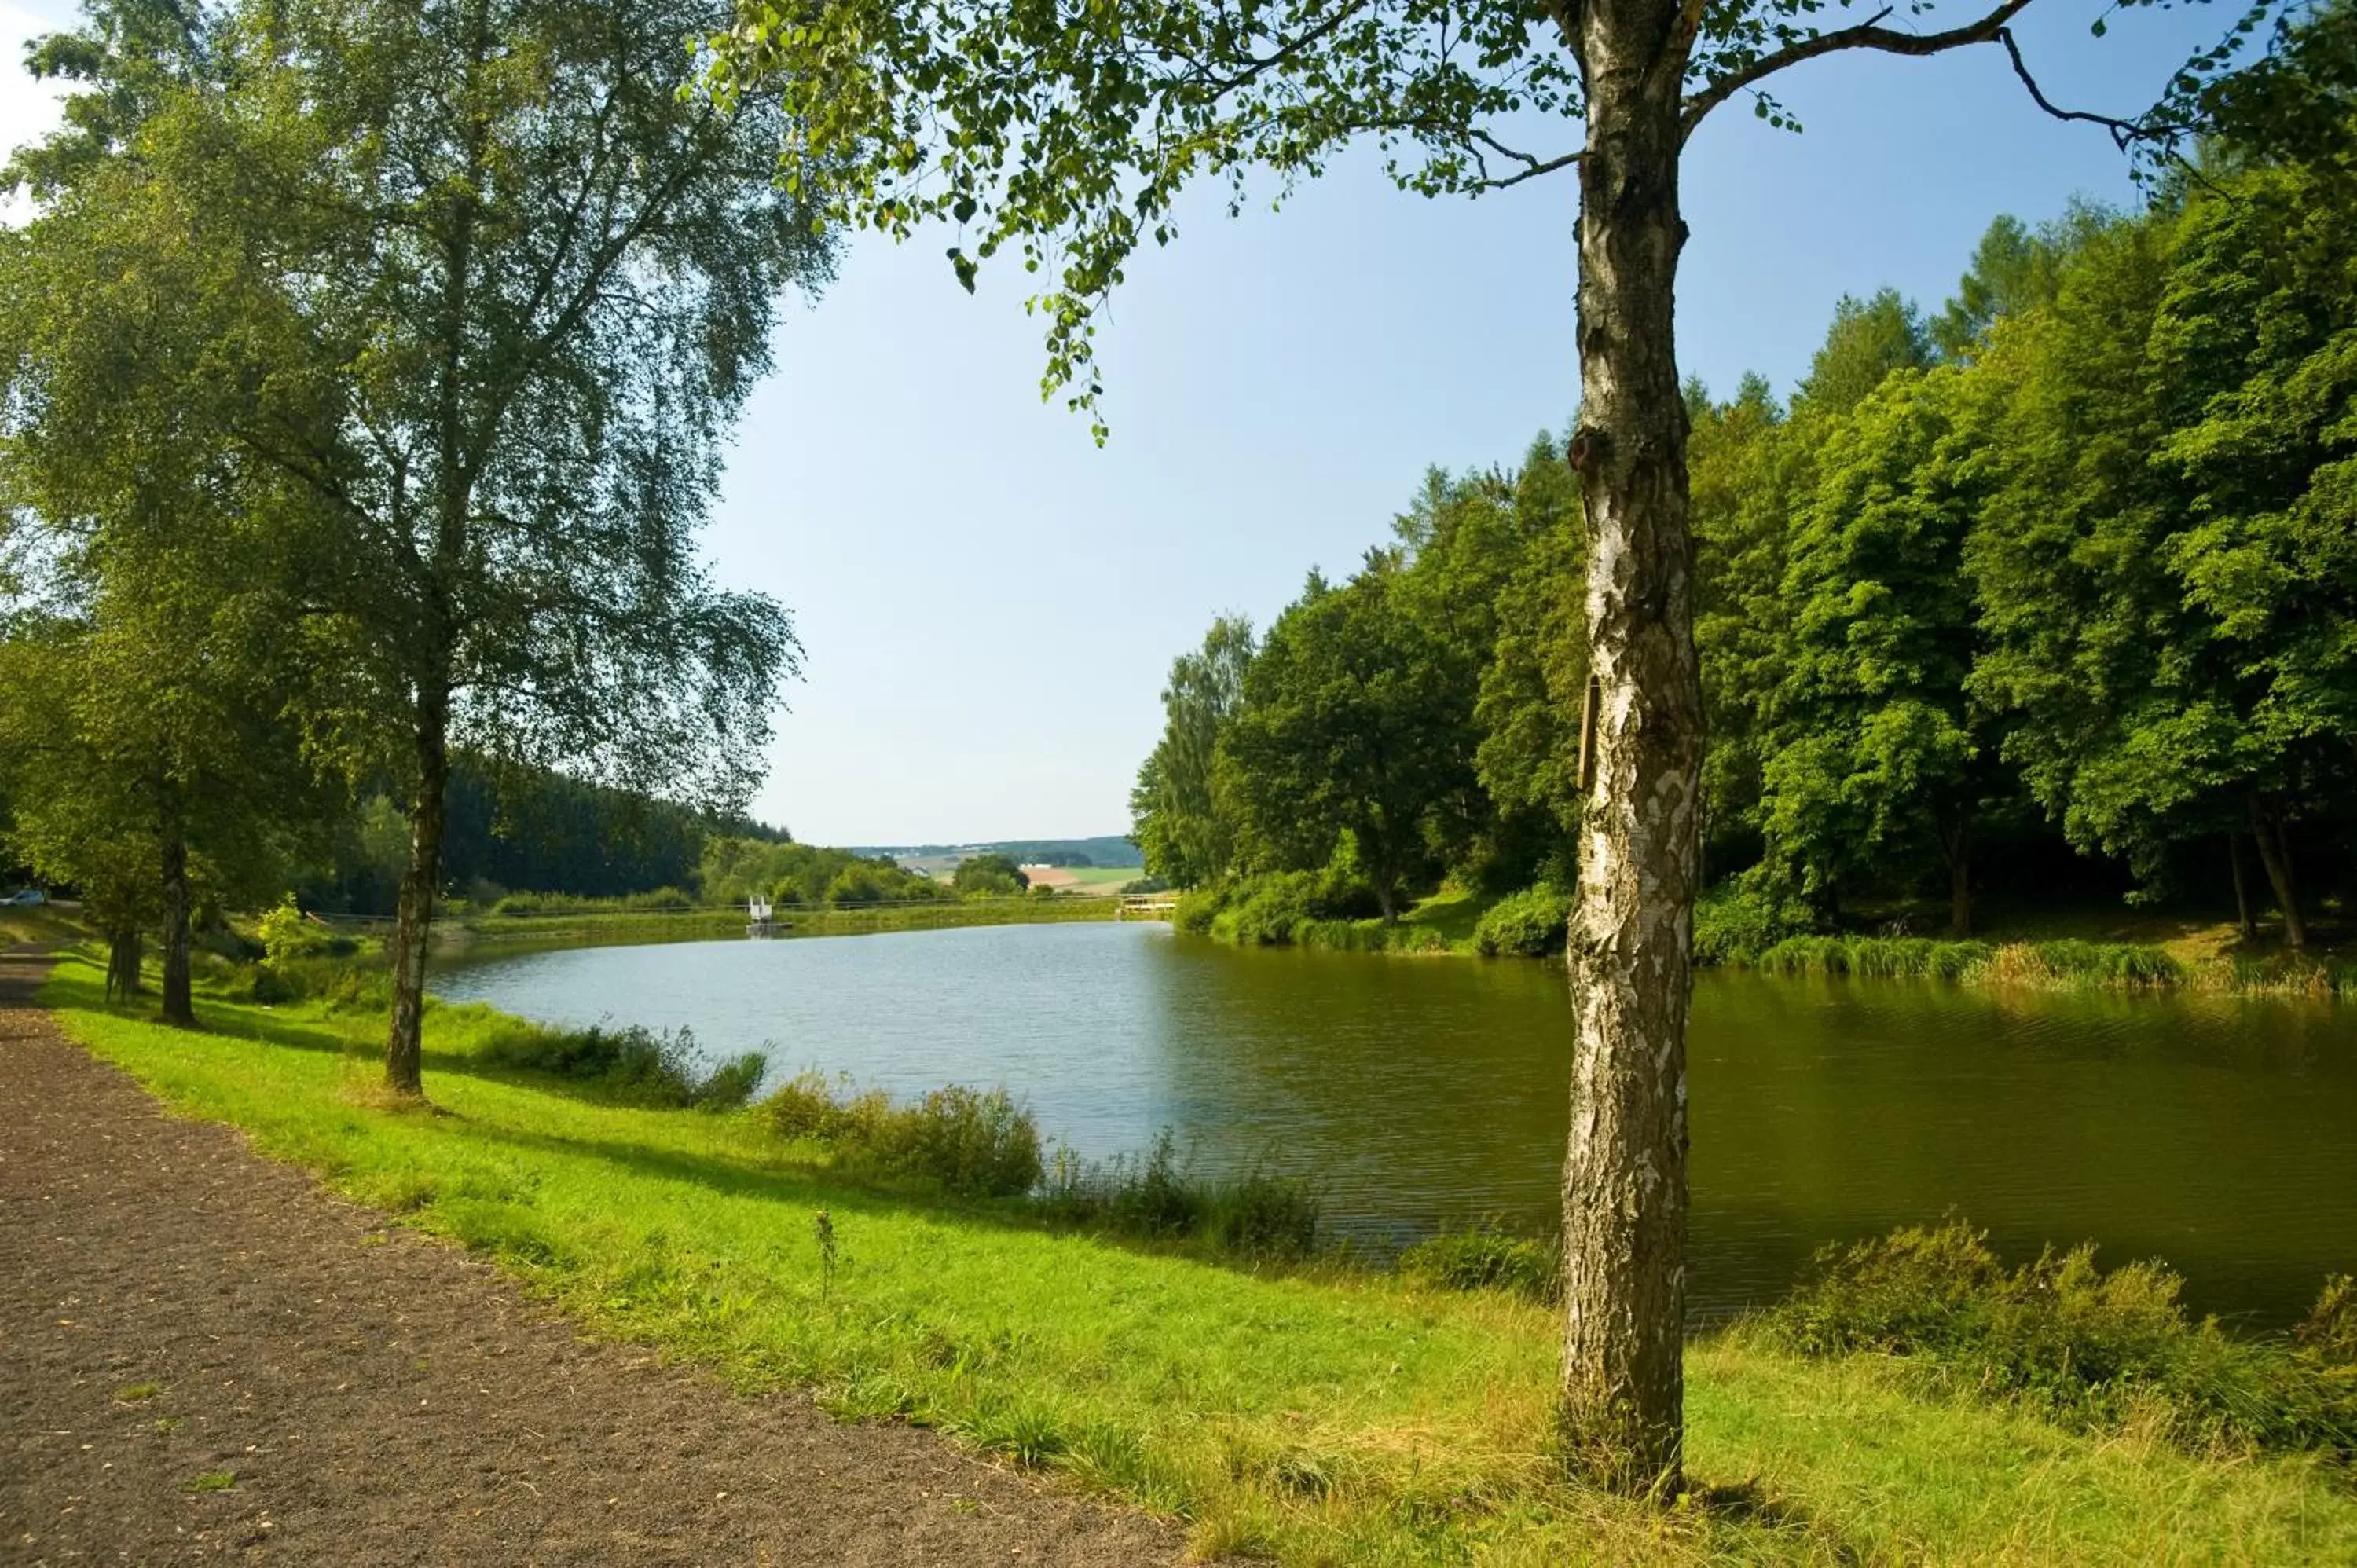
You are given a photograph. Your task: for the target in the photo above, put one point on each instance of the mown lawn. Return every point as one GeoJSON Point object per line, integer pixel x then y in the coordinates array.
{"type": "Point", "coordinates": [1316, 1416]}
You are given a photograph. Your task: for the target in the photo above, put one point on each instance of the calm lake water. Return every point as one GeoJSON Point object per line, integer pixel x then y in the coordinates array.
{"type": "Point", "coordinates": [2218, 1134]}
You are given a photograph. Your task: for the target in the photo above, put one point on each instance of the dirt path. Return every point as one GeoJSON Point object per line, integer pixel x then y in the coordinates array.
{"type": "Point", "coordinates": [177, 1314]}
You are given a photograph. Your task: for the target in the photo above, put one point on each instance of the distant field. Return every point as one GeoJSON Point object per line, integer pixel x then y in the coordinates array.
{"type": "Point", "coordinates": [1099, 880]}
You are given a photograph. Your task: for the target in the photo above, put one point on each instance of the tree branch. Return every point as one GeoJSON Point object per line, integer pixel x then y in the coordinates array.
{"type": "Point", "coordinates": [1532, 166]}
{"type": "Point", "coordinates": [2124, 133]}
{"type": "Point", "coordinates": [1868, 35]}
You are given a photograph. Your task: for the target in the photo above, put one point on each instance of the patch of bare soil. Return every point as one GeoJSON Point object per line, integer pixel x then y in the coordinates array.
{"type": "Point", "coordinates": [202, 1356]}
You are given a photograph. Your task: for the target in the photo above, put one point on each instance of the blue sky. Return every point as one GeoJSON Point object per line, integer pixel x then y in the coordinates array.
{"type": "Point", "coordinates": [988, 601]}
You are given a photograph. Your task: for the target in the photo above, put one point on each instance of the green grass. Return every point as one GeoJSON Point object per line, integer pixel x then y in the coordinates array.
{"type": "Point", "coordinates": [1106, 878]}
{"type": "Point", "coordinates": [41, 923]}
{"type": "Point", "coordinates": [1319, 1415]}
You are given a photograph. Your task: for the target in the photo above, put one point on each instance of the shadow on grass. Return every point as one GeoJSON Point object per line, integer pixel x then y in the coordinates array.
{"type": "Point", "coordinates": [1750, 1506]}
{"type": "Point", "coordinates": [78, 982]}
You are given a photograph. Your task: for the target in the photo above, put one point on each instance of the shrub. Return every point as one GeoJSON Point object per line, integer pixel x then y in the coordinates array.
{"type": "Point", "coordinates": [981, 1144]}
{"type": "Point", "coordinates": [1486, 1258]}
{"type": "Point", "coordinates": [1736, 923]}
{"type": "Point", "coordinates": [1269, 909]}
{"type": "Point", "coordinates": [1197, 907]}
{"type": "Point", "coordinates": [2077, 1342]}
{"type": "Point", "coordinates": [1156, 1198]}
{"type": "Point", "coordinates": [1529, 924]}
{"type": "Point", "coordinates": [633, 1064]}
{"type": "Point", "coordinates": [978, 1144]}
{"type": "Point", "coordinates": [1273, 909]}
{"type": "Point", "coordinates": [1259, 1214]}
{"type": "Point", "coordinates": [2330, 1331]}
{"type": "Point", "coordinates": [286, 935]}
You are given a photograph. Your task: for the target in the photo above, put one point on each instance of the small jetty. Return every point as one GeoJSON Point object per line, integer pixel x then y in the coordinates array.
{"type": "Point", "coordinates": [763, 921]}
{"type": "Point", "coordinates": [1147, 907]}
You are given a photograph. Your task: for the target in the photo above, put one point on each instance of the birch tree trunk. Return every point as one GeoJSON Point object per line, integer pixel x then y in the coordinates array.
{"type": "Point", "coordinates": [1623, 1388]}
{"type": "Point", "coordinates": [414, 921]}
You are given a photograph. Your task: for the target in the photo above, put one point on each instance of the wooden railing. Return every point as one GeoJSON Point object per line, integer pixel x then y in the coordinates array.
{"type": "Point", "coordinates": [1147, 907]}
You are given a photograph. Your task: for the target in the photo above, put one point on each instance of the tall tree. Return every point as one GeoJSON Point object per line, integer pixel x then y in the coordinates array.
{"type": "Point", "coordinates": [1870, 340]}
{"type": "Point", "coordinates": [1750, 468]}
{"type": "Point", "coordinates": [1352, 721]}
{"type": "Point", "coordinates": [2166, 571]}
{"type": "Point", "coordinates": [1185, 832]}
{"type": "Point", "coordinates": [165, 556]}
{"type": "Point", "coordinates": [1068, 132]}
{"type": "Point", "coordinates": [1534, 681]}
{"type": "Point", "coordinates": [1878, 761]}
{"type": "Point", "coordinates": [521, 287]}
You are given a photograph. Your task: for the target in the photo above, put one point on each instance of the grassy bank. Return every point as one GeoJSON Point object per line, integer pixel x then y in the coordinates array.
{"type": "Point", "coordinates": [1315, 1414]}
{"type": "Point", "coordinates": [2062, 964]}
{"type": "Point", "coordinates": [2040, 949]}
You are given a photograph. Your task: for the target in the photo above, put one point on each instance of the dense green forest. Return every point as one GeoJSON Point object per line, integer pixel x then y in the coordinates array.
{"type": "Point", "coordinates": [520, 831]}
{"type": "Point", "coordinates": [2051, 592]}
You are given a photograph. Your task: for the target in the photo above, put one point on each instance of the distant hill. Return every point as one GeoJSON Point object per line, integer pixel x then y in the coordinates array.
{"type": "Point", "coordinates": [1105, 852]}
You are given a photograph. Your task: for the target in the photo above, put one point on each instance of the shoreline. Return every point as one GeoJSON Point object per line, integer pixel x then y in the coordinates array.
{"type": "Point", "coordinates": [1311, 1415]}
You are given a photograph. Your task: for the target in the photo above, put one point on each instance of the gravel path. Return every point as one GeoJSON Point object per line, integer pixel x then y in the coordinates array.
{"type": "Point", "coordinates": [203, 1356]}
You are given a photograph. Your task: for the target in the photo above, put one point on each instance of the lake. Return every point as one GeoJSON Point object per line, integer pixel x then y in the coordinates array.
{"type": "Point", "coordinates": [2217, 1133]}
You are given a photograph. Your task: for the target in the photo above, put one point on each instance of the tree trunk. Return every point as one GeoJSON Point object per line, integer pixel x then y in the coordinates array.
{"type": "Point", "coordinates": [414, 921]}
{"type": "Point", "coordinates": [2244, 927]}
{"type": "Point", "coordinates": [1956, 849]}
{"type": "Point", "coordinates": [123, 954]}
{"type": "Point", "coordinates": [179, 1005]}
{"type": "Point", "coordinates": [2266, 828]}
{"type": "Point", "coordinates": [1624, 1387]}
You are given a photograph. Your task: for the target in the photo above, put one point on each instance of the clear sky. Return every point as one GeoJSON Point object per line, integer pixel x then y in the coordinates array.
{"type": "Point", "coordinates": [988, 601]}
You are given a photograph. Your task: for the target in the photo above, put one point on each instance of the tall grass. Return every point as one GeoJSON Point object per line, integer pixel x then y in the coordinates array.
{"type": "Point", "coordinates": [2065, 963]}
{"type": "Point", "coordinates": [633, 1064]}
{"type": "Point", "coordinates": [981, 1145]}
{"type": "Point", "coordinates": [2092, 1347]}
{"type": "Point", "coordinates": [1897, 957]}
{"type": "Point", "coordinates": [1156, 1197]}
{"type": "Point", "coordinates": [1488, 1258]}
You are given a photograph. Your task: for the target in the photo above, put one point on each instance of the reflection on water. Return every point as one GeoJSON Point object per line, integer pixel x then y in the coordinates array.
{"type": "Point", "coordinates": [2217, 1133]}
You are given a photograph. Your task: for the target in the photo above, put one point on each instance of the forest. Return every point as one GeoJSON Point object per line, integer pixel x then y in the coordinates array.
{"type": "Point", "coordinates": [2049, 593]}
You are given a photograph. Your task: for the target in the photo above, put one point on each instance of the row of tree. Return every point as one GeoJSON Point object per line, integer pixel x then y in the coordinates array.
{"type": "Point", "coordinates": [2056, 586]}
{"type": "Point", "coordinates": [364, 372]}
{"type": "Point", "coordinates": [734, 869]}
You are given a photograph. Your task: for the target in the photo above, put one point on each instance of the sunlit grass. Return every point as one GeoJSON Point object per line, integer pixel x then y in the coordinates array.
{"type": "Point", "coordinates": [1320, 1415]}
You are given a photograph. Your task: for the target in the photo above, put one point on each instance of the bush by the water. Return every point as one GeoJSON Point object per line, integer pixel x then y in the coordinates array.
{"type": "Point", "coordinates": [632, 1064]}
{"type": "Point", "coordinates": [2080, 1343]}
{"type": "Point", "coordinates": [1891, 958]}
{"type": "Point", "coordinates": [1487, 1258]}
{"type": "Point", "coordinates": [1270, 909]}
{"type": "Point", "coordinates": [1158, 1197]}
{"type": "Point", "coordinates": [1529, 924]}
{"type": "Point", "coordinates": [1736, 923]}
{"type": "Point", "coordinates": [981, 1144]}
